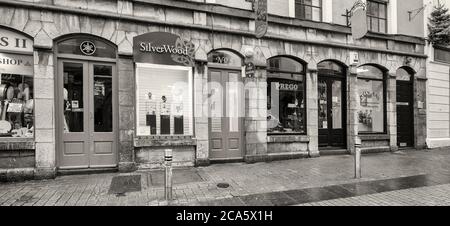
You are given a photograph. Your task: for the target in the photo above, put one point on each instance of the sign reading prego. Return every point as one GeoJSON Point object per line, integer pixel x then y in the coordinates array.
{"type": "Point", "coordinates": [163, 48]}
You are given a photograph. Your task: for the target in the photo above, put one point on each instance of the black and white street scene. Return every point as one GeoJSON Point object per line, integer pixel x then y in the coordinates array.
{"type": "Point", "coordinates": [225, 103]}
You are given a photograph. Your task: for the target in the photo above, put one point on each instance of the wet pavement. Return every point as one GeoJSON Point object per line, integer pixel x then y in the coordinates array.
{"type": "Point", "coordinates": [290, 182]}
{"type": "Point", "coordinates": [301, 196]}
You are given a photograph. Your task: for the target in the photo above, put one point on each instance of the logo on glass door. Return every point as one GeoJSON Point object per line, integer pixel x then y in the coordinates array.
{"type": "Point", "coordinates": [87, 48]}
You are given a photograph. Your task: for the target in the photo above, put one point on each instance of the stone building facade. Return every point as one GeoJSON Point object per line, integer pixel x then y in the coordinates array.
{"type": "Point", "coordinates": [212, 29]}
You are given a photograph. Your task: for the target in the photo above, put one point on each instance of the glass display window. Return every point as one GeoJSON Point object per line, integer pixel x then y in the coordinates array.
{"type": "Point", "coordinates": [371, 101]}
{"type": "Point", "coordinates": [16, 96]}
{"type": "Point", "coordinates": [164, 100]}
{"type": "Point", "coordinates": [286, 101]}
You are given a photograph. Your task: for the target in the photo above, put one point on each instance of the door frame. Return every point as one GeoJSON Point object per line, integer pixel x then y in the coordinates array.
{"type": "Point", "coordinates": [58, 103]}
{"type": "Point", "coordinates": [241, 70]}
{"type": "Point", "coordinates": [343, 79]}
{"type": "Point", "coordinates": [411, 106]}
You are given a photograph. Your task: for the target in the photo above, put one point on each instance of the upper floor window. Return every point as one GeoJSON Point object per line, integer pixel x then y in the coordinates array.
{"type": "Point", "coordinates": [441, 54]}
{"type": "Point", "coordinates": [308, 9]}
{"type": "Point", "coordinates": [377, 16]}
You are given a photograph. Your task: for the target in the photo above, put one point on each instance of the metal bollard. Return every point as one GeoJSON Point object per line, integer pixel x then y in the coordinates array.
{"type": "Point", "coordinates": [168, 174]}
{"type": "Point", "coordinates": [358, 158]}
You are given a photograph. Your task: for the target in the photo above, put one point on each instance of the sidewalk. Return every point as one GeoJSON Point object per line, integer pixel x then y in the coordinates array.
{"type": "Point", "coordinates": [198, 186]}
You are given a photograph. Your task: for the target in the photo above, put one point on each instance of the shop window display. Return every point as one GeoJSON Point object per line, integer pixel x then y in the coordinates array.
{"type": "Point", "coordinates": [371, 101]}
{"type": "Point", "coordinates": [164, 100]}
{"type": "Point", "coordinates": [286, 97]}
{"type": "Point", "coordinates": [16, 96]}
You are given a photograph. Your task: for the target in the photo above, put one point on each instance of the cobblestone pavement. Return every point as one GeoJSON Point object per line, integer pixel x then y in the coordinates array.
{"type": "Point", "coordinates": [244, 179]}
{"type": "Point", "coordinates": [438, 195]}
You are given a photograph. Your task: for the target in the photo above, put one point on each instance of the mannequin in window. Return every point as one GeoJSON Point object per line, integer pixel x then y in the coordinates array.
{"type": "Point", "coordinates": [151, 114]}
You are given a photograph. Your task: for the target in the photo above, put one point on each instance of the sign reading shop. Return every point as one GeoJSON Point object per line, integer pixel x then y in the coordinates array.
{"type": "Point", "coordinates": [10, 62]}
{"type": "Point", "coordinates": [163, 48]}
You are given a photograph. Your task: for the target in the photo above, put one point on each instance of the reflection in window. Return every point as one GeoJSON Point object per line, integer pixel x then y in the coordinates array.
{"type": "Point", "coordinates": [286, 96]}
{"type": "Point", "coordinates": [164, 100]}
{"type": "Point", "coordinates": [16, 95]}
{"type": "Point", "coordinates": [376, 16]}
{"type": "Point", "coordinates": [73, 97]}
{"type": "Point", "coordinates": [103, 98]}
{"type": "Point", "coordinates": [371, 106]}
{"type": "Point", "coordinates": [308, 9]}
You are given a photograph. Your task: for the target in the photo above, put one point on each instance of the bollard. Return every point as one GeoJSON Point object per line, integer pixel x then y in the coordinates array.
{"type": "Point", "coordinates": [358, 158]}
{"type": "Point", "coordinates": [168, 174]}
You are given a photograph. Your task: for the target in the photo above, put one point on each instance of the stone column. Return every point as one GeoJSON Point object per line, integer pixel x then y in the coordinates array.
{"type": "Point", "coordinates": [420, 112]}
{"type": "Point", "coordinates": [312, 111]}
{"type": "Point", "coordinates": [201, 113]}
{"type": "Point", "coordinates": [126, 79]}
{"type": "Point", "coordinates": [45, 125]}
{"type": "Point", "coordinates": [256, 117]}
{"type": "Point", "coordinates": [391, 110]}
{"type": "Point", "coordinates": [352, 108]}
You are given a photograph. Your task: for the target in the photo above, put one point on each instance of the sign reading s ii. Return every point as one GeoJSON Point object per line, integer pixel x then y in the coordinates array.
{"type": "Point", "coordinates": [163, 48]}
{"type": "Point", "coordinates": [12, 41]}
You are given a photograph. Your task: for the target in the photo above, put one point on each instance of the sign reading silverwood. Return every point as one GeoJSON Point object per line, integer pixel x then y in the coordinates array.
{"type": "Point", "coordinates": [163, 48]}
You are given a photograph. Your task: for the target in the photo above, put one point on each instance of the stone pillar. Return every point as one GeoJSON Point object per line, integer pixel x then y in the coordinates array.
{"type": "Point", "coordinates": [312, 111]}
{"type": "Point", "coordinates": [352, 108]}
{"type": "Point", "coordinates": [420, 112]}
{"type": "Point", "coordinates": [201, 114]}
{"type": "Point", "coordinates": [391, 110]}
{"type": "Point", "coordinates": [126, 79]}
{"type": "Point", "coordinates": [45, 125]}
{"type": "Point", "coordinates": [256, 117]}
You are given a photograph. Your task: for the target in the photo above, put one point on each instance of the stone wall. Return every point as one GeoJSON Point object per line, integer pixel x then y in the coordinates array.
{"type": "Point", "coordinates": [120, 21]}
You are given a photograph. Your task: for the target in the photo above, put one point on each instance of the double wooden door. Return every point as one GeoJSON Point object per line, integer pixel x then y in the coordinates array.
{"type": "Point", "coordinates": [87, 129]}
{"type": "Point", "coordinates": [226, 119]}
{"type": "Point", "coordinates": [332, 111]}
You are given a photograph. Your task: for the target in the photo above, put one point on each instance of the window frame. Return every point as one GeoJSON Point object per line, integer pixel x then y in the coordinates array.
{"type": "Point", "coordinates": [383, 80]}
{"type": "Point", "coordinates": [301, 73]}
{"type": "Point", "coordinates": [378, 17]}
{"type": "Point", "coordinates": [301, 4]}
{"type": "Point", "coordinates": [440, 48]}
{"type": "Point", "coordinates": [189, 70]}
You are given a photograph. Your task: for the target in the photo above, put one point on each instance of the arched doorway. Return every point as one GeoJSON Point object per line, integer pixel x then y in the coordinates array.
{"type": "Point", "coordinates": [332, 105]}
{"type": "Point", "coordinates": [226, 106]}
{"type": "Point", "coordinates": [86, 109]}
{"type": "Point", "coordinates": [405, 107]}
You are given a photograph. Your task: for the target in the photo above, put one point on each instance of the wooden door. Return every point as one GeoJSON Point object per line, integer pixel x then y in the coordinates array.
{"type": "Point", "coordinates": [405, 115]}
{"type": "Point", "coordinates": [86, 113]}
{"type": "Point", "coordinates": [332, 110]}
{"type": "Point", "coordinates": [226, 117]}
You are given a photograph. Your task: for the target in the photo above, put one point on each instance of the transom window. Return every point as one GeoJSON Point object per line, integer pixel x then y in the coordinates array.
{"type": "Point", "coordinates": [308, 9]}
{"type": "Point", "coordinates": [377, 16]}
{"type": "Point", "coordinates": [286, 96]}
{"type": "Point", "coordinates": [87, 46]}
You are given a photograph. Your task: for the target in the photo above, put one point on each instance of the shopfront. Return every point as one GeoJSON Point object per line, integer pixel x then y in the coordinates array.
{"type": "Point", "coordinates": [16, 100]}
{"type": "Point", "coordinates": [86, 91]}
{"type": "Point", "coordinates": [86, 107]}
{"type": "Point", "coordinates": [164, 98]}
{"type": "Point", "coordinates": [226, 105]}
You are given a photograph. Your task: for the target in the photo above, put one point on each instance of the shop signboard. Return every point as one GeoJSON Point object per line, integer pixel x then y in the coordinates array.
{"type": "Point", "coordinates": [359, 23]}
{"type": "Point", "coordinates": [12, 41]}
{"type": "Point", "coordinates": [16, 64]}
{"type": "Point", "coordinates": [250, 70]}
{"type": "Point", "coordinates": [163, 48]}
